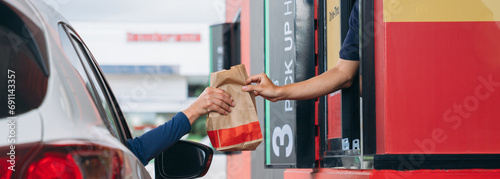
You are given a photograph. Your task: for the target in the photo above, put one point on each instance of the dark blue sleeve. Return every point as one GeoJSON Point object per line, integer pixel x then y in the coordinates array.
{"type": "Point", "coordinates": [350, 47]}
{"type": "Point", "coordinates": [152, 143]}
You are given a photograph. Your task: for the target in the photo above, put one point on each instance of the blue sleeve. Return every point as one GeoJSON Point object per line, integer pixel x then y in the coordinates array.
{"type": "Point", "coordinates": [152, 143]}
{"type": "Point", "coordinates": [350, 47]}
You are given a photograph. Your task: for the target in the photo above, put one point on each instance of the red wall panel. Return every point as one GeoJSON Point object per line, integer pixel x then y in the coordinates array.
{"type": "Point", "coordinates": [442, 87]}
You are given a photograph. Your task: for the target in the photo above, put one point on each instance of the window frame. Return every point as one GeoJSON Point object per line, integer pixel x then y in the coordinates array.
{"type": "Point", "coordinates": [357, 114]}
{"type": "Point", "coordinates": [93, 69]}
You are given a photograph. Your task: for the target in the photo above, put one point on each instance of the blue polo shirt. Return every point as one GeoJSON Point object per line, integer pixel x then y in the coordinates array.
{"type": "Point", "coordinates": [350, 47]}
{"type": "Point", "coordinates": [152, 143]}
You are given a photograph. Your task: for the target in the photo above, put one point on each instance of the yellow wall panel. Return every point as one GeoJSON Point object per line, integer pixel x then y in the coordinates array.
{"type": "Point", "coordinates": [333, 32]}
{"type": "Point", "coordinates": [441, 10]}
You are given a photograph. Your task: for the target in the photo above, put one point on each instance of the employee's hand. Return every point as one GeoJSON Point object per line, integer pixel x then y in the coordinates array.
{"type": "Point", "coordinates": [212, 99]}
{"type": "Point", "coordinates": [263, 87]}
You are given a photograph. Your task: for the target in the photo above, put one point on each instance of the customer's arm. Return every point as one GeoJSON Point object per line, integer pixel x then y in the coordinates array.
{"type": "Point", "coordinates": [152, 143]}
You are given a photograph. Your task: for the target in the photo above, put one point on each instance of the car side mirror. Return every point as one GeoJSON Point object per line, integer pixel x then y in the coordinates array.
{"type": "Point", "coordinates": [185, 159]}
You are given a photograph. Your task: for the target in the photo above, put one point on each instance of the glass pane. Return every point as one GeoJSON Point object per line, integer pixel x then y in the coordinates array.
{"type": "Point", "coordinates": [102, 101]}
{"type": "Point", "coordinates": [24, 73]}
{"type": "Point", "coordinates": [91, 82]}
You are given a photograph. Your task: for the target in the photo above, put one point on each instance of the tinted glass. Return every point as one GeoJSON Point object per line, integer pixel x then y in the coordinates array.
{"type": "Point", "coordinates": [23, 70]}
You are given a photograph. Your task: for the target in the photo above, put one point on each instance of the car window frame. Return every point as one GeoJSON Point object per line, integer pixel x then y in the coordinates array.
{"type": "Point", "coordinates": [117, 115]}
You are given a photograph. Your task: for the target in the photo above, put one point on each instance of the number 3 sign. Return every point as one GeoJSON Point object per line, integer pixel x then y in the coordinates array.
{"type": "Point", "coordinates": [281, 133]}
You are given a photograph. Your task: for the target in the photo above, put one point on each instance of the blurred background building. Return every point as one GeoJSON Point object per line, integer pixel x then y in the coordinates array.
{"type": "Point", "coordinates": [155, 54]}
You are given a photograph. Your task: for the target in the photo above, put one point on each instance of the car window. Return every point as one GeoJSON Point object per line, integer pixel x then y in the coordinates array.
{"type": "Point", "coordinates": [24, 68]}
{"type": "Point", "coordinates": [81, 61]}
{"type": "Point", "coordinates": [97, 85]}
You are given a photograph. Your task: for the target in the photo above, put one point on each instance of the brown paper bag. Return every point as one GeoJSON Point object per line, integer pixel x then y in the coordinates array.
{"type": "Point", "coordinates": [240, 129]}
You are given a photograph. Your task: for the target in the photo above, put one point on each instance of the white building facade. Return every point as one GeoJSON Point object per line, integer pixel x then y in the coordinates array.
{"type": "Point", "coordinates": [155, 70]}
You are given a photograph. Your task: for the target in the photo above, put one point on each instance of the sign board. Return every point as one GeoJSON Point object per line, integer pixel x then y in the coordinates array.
{"type": "Point", "coordinates": [289, 58]}
{"type": "Point", "coordinates": [157, 37]}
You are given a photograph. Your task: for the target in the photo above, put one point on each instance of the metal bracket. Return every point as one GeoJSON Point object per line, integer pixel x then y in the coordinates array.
{"type": "Point", "coordinates": [355, 144]}
{"type": "Point", "coordinates": [345, 144]}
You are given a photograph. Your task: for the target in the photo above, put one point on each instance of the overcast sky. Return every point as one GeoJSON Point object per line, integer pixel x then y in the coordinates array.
{"type": "Point", "coordinates": [158, 11]}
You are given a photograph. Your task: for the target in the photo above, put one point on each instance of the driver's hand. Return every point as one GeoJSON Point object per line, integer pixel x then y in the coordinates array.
{"type": "Point", "coordinates": [212, 99]}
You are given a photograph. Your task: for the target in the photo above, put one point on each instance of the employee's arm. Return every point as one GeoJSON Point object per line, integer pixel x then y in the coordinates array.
{"type": "Point", "coordinates": [340, 76]}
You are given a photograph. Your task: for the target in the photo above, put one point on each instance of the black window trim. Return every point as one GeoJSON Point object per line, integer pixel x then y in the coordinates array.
{"type": "Point", "coordinates": [331, 151]}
